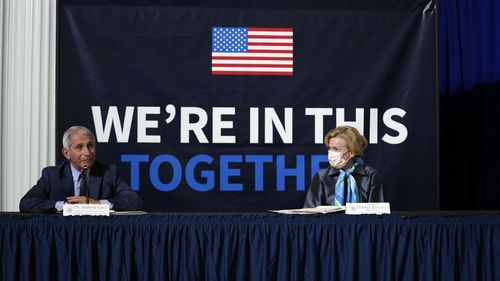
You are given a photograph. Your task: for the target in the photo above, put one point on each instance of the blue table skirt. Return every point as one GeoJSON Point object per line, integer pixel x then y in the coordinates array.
{"type": "Point", "coordinates": [250, 247]}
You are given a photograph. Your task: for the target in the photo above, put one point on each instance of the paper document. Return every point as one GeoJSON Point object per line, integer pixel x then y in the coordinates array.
{"type": "Point", "coordinates": [127, 213]}
{"type": "Point", "coordinates": [311, 211]}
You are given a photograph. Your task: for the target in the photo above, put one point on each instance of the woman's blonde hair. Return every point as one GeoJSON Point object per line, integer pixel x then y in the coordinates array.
{"type": "Point", "coordinates": [356, 143]}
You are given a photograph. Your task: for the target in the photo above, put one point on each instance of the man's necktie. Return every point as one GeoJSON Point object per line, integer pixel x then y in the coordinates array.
{"type": "Point", "coordinates": [84, 188]}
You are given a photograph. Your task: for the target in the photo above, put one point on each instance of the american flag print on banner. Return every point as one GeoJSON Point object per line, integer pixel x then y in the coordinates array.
{"type": "Point", "coordinates": [252, 51]}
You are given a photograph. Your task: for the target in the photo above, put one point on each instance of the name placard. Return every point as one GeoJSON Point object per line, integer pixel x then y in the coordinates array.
{"type": "Point", "coordinates": [367, 208]}
{"type": "Point", "coordinates": [86, 210]}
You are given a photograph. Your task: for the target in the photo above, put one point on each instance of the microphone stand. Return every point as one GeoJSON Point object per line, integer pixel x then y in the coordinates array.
{"type": "Point", "coordinates": [87, 185]}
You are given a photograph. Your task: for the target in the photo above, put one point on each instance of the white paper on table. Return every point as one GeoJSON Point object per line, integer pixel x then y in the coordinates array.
{"type": "Point", "coordinates": [311, 211]}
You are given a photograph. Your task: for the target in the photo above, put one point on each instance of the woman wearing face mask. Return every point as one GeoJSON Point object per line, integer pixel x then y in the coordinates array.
{"type": "Point", "coordinates": [345, 180]}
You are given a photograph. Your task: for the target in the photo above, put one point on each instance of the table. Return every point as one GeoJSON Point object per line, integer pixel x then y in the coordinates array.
{"type": "Point", "coordinates": [251, 246]}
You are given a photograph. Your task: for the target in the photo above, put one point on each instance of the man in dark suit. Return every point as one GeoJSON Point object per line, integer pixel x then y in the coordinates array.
{"type": "Point", "coordinates": [79, 179]}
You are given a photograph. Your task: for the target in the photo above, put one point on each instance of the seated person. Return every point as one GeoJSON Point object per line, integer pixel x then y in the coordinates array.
{"type": "Point", "coordinates": [345, 180]}
{"type": "Point", "coordinates": [79, 179]}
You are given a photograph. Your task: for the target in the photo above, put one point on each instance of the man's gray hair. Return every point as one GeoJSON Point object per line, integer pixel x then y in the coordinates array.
{"type": "Point", "coordinates": [75, 130]}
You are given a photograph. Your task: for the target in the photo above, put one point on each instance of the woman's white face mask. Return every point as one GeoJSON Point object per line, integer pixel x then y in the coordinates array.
{"type": "Point", "coordinates": [336, 159]}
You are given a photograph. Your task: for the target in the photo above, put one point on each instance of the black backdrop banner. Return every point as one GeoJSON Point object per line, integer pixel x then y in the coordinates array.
{"type": "Point", "coordinates": [223, 106]}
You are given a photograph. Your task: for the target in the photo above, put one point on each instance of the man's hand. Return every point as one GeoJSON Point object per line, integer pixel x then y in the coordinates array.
{"type": "Point", "coordinates": [81, 200]}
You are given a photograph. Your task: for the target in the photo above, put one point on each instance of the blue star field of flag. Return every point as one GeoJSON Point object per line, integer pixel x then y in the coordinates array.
{"type": "Point", "coordinates": [232, 39]}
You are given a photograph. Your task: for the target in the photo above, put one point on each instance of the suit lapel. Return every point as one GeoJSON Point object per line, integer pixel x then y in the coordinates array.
{"type": "Point", "coordinates": [95, 179]}
{"type": "Point", "coordinates": [67, 180]}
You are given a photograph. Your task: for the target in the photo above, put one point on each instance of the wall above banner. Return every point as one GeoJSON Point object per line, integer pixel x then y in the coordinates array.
{"type": "Point", "coordinates": [224, 108]}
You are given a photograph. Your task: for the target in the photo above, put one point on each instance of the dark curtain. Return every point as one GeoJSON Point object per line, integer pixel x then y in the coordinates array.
{"type": "Point", "coordinates": [469, 69]}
